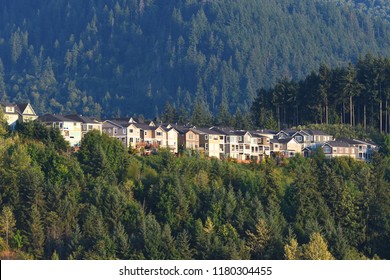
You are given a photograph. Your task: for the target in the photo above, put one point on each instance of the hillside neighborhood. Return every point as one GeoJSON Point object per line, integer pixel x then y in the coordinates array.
{"type": "Point", "coordinates": [216, 142]}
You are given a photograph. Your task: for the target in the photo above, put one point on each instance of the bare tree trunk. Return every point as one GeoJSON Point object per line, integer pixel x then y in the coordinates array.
{"type": "Point", "coordinates": [343, 121]}
{"type": "Point", "coordinates": [327, 114]}
{"type": "Point", "coordinates": [386, 118]}
{"type": "Point", "coordinates": [365, 117]}
{"type": "Point", "coordinates": [380, 116]}
{"type": "Point", "coordinates": [350, 111]}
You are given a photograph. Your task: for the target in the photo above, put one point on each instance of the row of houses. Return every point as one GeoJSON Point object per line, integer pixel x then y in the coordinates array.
{"type": "Point", "coordinates": [222, 143]}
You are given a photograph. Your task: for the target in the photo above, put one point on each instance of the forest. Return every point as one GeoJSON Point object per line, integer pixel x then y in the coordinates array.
{"type": "Point", "coordinates": [102, 202]}
{"type": "Point", "coordinates": [357, 95]}
{"type": "Point", "coordinates": [110, 58]}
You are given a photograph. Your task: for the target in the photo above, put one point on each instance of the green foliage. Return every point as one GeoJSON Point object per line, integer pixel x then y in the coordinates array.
{"type": "Point", "coordinates": [349, 101]}
{"type": "Point", "coordinates": [120, 59]}
{"type": "Point", "coordinates": [102, 203]}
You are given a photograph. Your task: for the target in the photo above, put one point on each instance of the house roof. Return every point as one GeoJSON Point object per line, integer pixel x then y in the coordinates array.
{"type": "Point", "coordinates": [282, 141]}
{"type": "Point", "coordinates": [82, 119]}
{"type": "Point", "coordinates": [8, 104]}
{"type": "Point", "coordinates": [144, 126]}
{"type": "Point", "coordinates": [180, 128]}
{"type": "Point", "coordinates": [54, 118]}
{"type": "Point", "coordinates": [338, 143]}
{"type": "Point", "coordinates": [208, 131]}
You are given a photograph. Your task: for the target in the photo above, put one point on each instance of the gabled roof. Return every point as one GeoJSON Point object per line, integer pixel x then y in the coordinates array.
{"type": "Point", "coordinates": [209, 131]}
{"type": "Point", "coordinates": [302, 132]}
{"type": "Point", "coordinates": [337, 143]}
{"type": "Point", "coordinates": [23, 106]}
{"type": "Point", "coordinates": [283, 141]}
{"type": "Point", "coordinates": [180, 128]}
{"type": "Point", "coordinates": [144, 126]}
{"type": "Point", "coordinates": [82, 119]}
{"type": "Point", "coordinates": [7, 104]}
{"type": "Point", "coordinates": [116, 123]}
{"type": "Point", "coordinates": [54, 118]}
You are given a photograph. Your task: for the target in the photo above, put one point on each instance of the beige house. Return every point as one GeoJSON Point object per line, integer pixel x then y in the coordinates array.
{"type": "Point", "coordinates": [338, 149]}
{"type": "Point", "coordinates": [22, 112]}
{"type": "Point", "coordinates": [70, 129]}
{"type": "Point", "coordinates": [312, 138]}
{"type": "Point", "coordinates": [192, 140]}
{"type": "Point", "coordinates": [212, 142]}
{"type": "Point", "coordinates": [287, 147]}
{"type": "Point", "coordinates": [159, 136]}
{"type": "Point", "coordinates": [363, 149]}
{"type": "Point", "coordinates": [260, 146]}
{"type": "Point", "coordinates": [172, 140]}
{"type": "Point", "coordinates": [87, 124]}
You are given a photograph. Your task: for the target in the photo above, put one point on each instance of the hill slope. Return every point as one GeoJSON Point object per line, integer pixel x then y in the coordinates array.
{"type": "Point", "coordinates": [122, 57]}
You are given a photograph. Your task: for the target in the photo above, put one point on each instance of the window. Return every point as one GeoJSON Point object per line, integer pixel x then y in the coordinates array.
{"type": "Point", "coordinates": [74, 124]}
{"type": "Point", "coordinates": [90, 127]}
{"type": "Point", "coordinates": [109, 130]}
{"type": "Point", "coordinates": [190, 136]}
{"type": "Point", "coordinates": [206, 137]}
{"type": "Point", "coordinates": [84, 127]}
{"type": "Point", "coordinates": [239, 138]}
{"type": "Point", "coordinates": [66, 133]}
{"type": "Point", "coordinates": [327, 150]}
{"type": "Point", "coordinates": [124, 131]}
{"type": "Point", "coordinates": [145, 133]}
{"type": "Point", "coordinates": [131, 140]}
{"type": "Point", "coordinates": [159, 133]}
{"type": "Point", "coordinates": [206, 146]}
{"type": "Point", "coordinates": [299, 138]}
{"type": "Point", "coordinates": [215, 137]}
{"type": "Point", "coordinates": [276, 146]}
{"type": "Point", "coordinates": [115, 131]}
{"type": "Point", "coordinates": [130, 130]}
{"type": "Point", "coordinates": [220, 137]}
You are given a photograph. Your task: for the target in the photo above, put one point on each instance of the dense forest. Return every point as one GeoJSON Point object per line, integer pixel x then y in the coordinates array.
{"type": "Point", "coordinates": [104, 203]}
{"type": "Point", "coordinates": [357, 95]}
{"type": "Point", "coordinates": [116, 58]}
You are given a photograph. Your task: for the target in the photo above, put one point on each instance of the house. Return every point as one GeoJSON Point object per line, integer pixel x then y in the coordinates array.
{"type": "Point", "coordinates": [147, 136]}
{"type": "Point", "coordinates": [244, 145]}
{"type": "Point", "coordinates": [22, 112]}
{"type": "Point", "coordinates": [213, 142]}
{"type": "Point", "coordinates": [230, 143]}
{"type": "Point", "coordinates": [117, 129]}
{"type": "Point", "coordinates": [285, 133]}
{"type": "Point", "coordinates": [261, 145]}
{"type": "Point", "coordinates": [363, 149]}
{"type": "Point", "coordinates": [192, 140]}
{"type": "Point", "coordinates": [304, 138]}
{"type": "Point", "coordinates": [287, 147]}
{"type": "Point", "coordinates": [181, 134]}
{"type": "Point", "coordinates": [338, 148]}
{"type": "Point", "coordinates": [172, 140]}
{"type": "Point", "coordinates": [159, 135]}
{"type": "Point", "coordinates": [70, 129]}
{"type": "Point", "coordinates": [87, 123]}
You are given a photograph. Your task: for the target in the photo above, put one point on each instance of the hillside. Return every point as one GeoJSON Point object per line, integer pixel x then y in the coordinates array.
{"type": "Point", "coordinates": [102, 203]}
{"type": "Point", "coordinates": [112, 58]}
